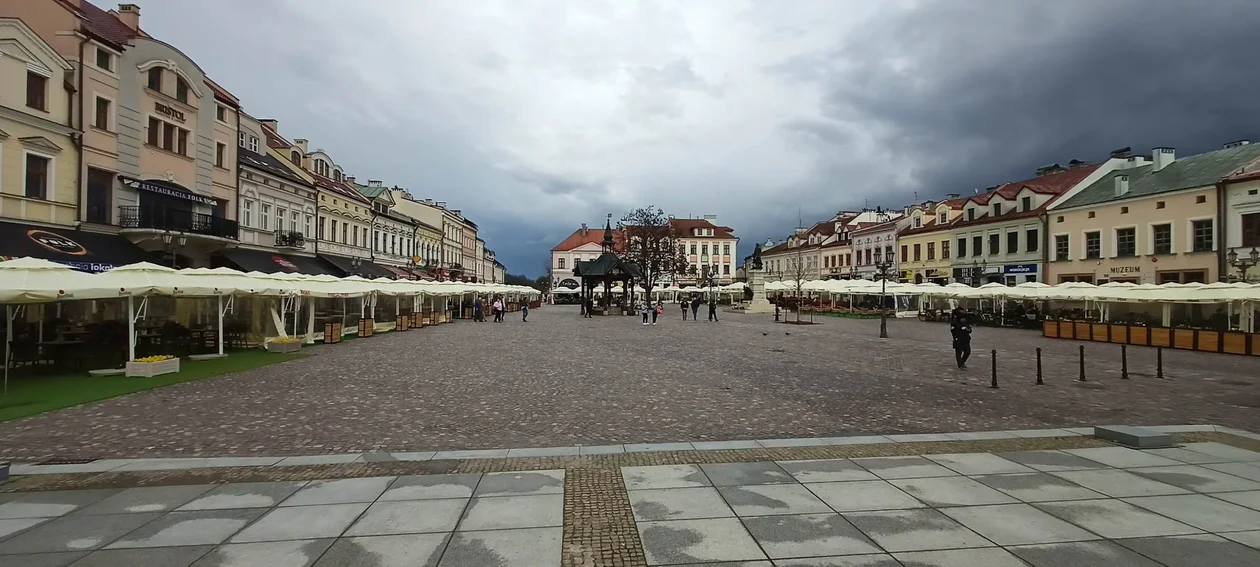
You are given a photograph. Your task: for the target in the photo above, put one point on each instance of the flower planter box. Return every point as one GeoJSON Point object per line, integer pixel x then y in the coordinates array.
{"type": "Point", "coordinates": [1139, 336]}
{"type": "Point", "coordinates": [293, 346]}
{"type": "Point", "coordinates": [1099, 332]}
{"type": "Point", "coordinates": [332, 333]}
{"type": "Point", "coordinates": [1183, 339]}
{"type": "Point", "coordinates": [151, 369]}
{"type": "Point", "coordinates": [1208, 341]}
{"type": "Point", "coordinates": [415, 320]}
{"type": "Point", "coordinates": [366, 327]}
{"type": "Point", "coordinates": [1161, 337]}
{"type": "Point", "coordinates": [1050, 329]}
{"type": "Point", "coordinates": [1119, 334]}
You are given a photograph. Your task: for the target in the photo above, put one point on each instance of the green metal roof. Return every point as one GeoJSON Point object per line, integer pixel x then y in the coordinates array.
{"type": "Point", "coordinates": [1185, 173]}
{"type": "Point", "coordinates": [370, 192]}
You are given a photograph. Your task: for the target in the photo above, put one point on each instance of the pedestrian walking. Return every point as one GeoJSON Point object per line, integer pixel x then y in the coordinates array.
{"type": "Point", "coordinates": [498, 309]}
{"type": "Point", "coordinates": [713, 310]}
{"type": "Point", "coordinates": [683, 303]}
{"type": "Point", "coordinates": [643, 310]}
{"type": "Point", "coordinates": [524, 311]}
{"type": "Point", "coordinates": [960, 329]}
{"type": "Point", "coordinates": [695, 308]}
{"type": "Point", "coordinates": [477, 313]}
{"type": "Point", "coordinates": [657, 310]}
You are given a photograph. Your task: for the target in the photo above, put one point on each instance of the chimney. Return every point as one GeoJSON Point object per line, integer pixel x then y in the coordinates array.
{"type": "Point", "coordinates": [711, 218]}
{"type": "Point", "coordinates": [301, 144]}
{"type": "Point", "coordinates": [270, 123]}
{"type": "Point", "coordinates": [1162, 157]}
{"type": "Point", "coordinates": [585, 229]}
{"type": "Point", "coordinates": [375, 183]}
{"type": "Point", "coordinates": [1076, 164]}
{"type": "Point", "coordinates": [1122, 152]}
{"type": "Point", "coordinates": [1236, 144]}
{"type": "Point", "coordinates": [348, 179]}
{"type": "Point", "coordinates": [1122, 185]}
{"type": "Point", "coordinates": [129, 15]}
{"type": "Point", "coordinates": [1049, 169]}
{"type": "Point", "coordinates": [953, 196]}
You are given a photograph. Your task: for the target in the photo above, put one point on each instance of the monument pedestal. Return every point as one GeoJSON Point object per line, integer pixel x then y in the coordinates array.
{"type": "Point", "coordinates": [757, 284]}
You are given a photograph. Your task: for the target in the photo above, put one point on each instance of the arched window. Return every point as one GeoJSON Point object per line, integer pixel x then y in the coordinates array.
{"type": "Point", "coordinates": [337, 174]}
{"type": "Point", "coordinates": [296, 158]}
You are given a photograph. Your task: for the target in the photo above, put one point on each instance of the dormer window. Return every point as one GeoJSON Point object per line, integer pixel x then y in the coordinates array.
{"type": "Point", "coordinates": [296, 157]}
{"type": "Point", "coordinates": [181, 90]}
{"type": "Point", "coordinates": [1026, 203]}
{"type": "Point", "coordinates": [943, 218]}
{"type": "Point", "coordinates": [971, 214]}
{"type": "Point", "coordinates": [337, 175]}
{"type": "Point", "coordinates": [155, 79]}
{"type": "Point", "coordinates": [997, 209]}
{"type": "Point", "coordinates": [918, 221]}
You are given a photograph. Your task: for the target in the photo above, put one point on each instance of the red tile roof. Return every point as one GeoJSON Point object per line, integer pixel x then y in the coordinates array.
{"type": "Point", "coordinates": [222, 94]}
{"type": "Point", "coordinates": [1055, 185]}
{"type": "Point", "coordinates": [104, 26]}
{"type": "Point", "coordinates": [340, 188]}
{"type": "Point", "coordinates": [274, 139]}
{"type": "Point", "coordinates": [684, 229]}
{"type": "Point", "coordinates": [591, 236]}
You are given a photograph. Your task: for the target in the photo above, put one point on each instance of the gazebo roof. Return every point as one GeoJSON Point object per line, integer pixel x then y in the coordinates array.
{"type": "Point", "coordinates": [607, 265]}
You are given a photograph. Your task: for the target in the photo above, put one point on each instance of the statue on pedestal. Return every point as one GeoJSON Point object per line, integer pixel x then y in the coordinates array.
{"type": "Point", "coordinates": [757, 284]}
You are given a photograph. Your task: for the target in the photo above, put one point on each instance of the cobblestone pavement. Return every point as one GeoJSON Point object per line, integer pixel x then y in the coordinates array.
{"type": "Point", "coordinates": [562, 380]}
{"type": "Point", "coordinates": [1093, 506]}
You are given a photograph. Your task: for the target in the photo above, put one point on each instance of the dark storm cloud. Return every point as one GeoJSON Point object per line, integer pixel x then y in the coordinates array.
{"type": "Point", "coordinates": [971, 94]}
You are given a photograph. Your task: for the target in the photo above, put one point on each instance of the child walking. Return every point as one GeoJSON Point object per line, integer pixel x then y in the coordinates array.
{"type": "Point", "coordinates": [643, 309]}
{"type": "Point", "coordinates": [657, 310]}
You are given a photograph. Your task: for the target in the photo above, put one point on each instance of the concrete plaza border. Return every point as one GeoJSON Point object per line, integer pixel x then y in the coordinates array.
{"type": "Point", "coordinates": [186, 463]}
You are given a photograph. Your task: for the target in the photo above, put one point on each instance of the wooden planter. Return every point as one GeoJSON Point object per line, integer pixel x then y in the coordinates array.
{"type": "Point", "coordinates": [1118, 333]}
{"type": "Point", "coordinates": [1139, 336]}
{"type": "Point", "coordinates": [1161, 337]}
{"type": "Point", "coordinates": [274, 346]}
{"type": "Point", "coordinates": [1183, 339]}
{"type": "Point", "coordinates": [332, 333]}
{"type": "Point", "coordinates": [151, 369]}
{"type": "Point", "coordinates": [1208, 341]}
{"type": "Point", "coordinates": [1099, 332]}
{"type": "Point", "coordinates": [403, 323]}
{"type": "Point", "coordinates": [367, 327]}
{"type": "Point", "coordinates": [1050, 329]}
{"type": "Point", "coordinates": [415, 320]}
{"type": "Point", "coordinates": [1255, 344]}
{"type": "Point", "coordinates": [1203, 340]}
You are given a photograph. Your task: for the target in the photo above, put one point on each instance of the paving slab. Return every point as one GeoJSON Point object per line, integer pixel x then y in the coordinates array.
{"type": "Point", "coordinates": [243, 495]}
{"type": "Point", "coordinates": [1143, 437]}
{"type": "Point", "coordinates": [1122, 457]}
{"type": "Point", "coordinates": [163, 556]}
{"type": "Point", "coordinates": [1195, 551]}
{"type": "Point", "coordinates": [1050, 461]}
{"type": "Point", "coordinates": [295, 553]}
{"type": "Point", "coordinates": [978, 463]}
{"type": "Point", "coordinates": [857, 440]}
{"type": "Point", "coordinates": [1119, 483]}
{"type": "Point", "coordinates": [920, 437]}
{"type": "Point", "coordinates": [1202, 511]}
{"type": "Point", "coordinates": [809, 535]}
{"type": "Point", "coordinates": [1115, 519]}
{"type": "Point", "coordinates": [429, 487]}
{"type": "Point", "coordinates": [1223, 451]}
{"type": "Point", "coordinates": [1186, 456]}
{"type": "Point", "coordinates": [988, 557]}
{"type": "Point", "coordinates": [772, 499]}
{"type": "Point", "coordinates": [1081, 554]}
{"type": "Point", "coordinates": [521, 483]}
{"type": "Point", "coordinates": [50, 504]}
{"type": "Point", "coordinates": [1182, 428]}
{"type": "Point", "coordinates": [414, 455]}
{"type": "Point", "coordinates": [339, 491]}
{"type": "Point", "coordinates": [740, 474]}
{"type": "Point", "coordinates": [951, 491]}
{"type": "Point", "coordinates": [1039, 433]}
{"type": "Point", "coordinates": [697, 541]}
{"type": "Point", "coordinates": [507, 512]}
{"type": "Point", "coordinates": [650, 447]}
{"type": "Point", "coordinates": [471, 454]}
{"type": "Point", "coordinates": [74, 533]}
{"type": "Point", "coordinates": [1249, 499]}
{"type": "Point", "coordinates": [102, 465]}
{"type": "Point", "coordinates": [1249, 471]}
{"type": "Point", "coordinates": [601, 449]}
{"type": "Point", "coordinates": [678, 504]}
{"type": "Point", "coordinates": [409, 517]}
{"type": "Point", "coordinates": [206, 527]}
{"type": "Point", "coordinates": [826, 470]}
{"type": "Point", "coordinates": [1016, 524]}
{"type": "Point", "coordinates": [1198, 479]}
{"type": "Point", "coordinates": [664, 476]}
{"type": "Point", "coordinates": [795, 442]}
{"type": "Point", "coordinates": [1037, 487]}
{"type": "Point", "coordinates": [1250, 539]}
{"type": "Point", "coordinates": [319, 460]}
{"type": "Point", "coordinates": [982, 435]}
{"type": "Point", "coordinates": [539, 547]}
{"type": "Point", "coordinates": [545, 452]}
{"type": "Point", "coordinates": [147, 499]}
{"type": "Point", "coordinates": [724, 445]}
{"type": "Point", "coordinates": [15, 525]}
{"type": "Point", "coordinates": [46, 559]}
{"type": "Point", "coordinates": [874, 560]}
{"type": "Point", "coordinates": [903, 467]}
{"type": "Point", "coordinates": [302, 522]}
{"type": "Point", "coordinates": [863, 495]}
{"type": "Point", "coordinates": [415, 550]}
{"type": "Point", "coordinates": [915, 530]}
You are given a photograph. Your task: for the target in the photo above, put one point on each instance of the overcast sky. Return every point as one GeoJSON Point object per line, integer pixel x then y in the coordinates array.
{"type": "Point", "coordinates": [535, 116]}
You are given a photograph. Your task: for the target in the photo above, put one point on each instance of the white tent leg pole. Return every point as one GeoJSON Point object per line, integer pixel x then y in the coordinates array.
{"type": "Point", "coordinates": [131, 328]}
{"type": "Point", "coordinates": [8, 344]}
{"type": "Point", "coordinates": [220, 312]}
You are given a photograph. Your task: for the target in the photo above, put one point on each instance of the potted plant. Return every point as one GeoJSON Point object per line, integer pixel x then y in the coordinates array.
{"type": "Point", "coordinates": [150, 366]}
{"type": "Point", "coordinates": [284, 344]}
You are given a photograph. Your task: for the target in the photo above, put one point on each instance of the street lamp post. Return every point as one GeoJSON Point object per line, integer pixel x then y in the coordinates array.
{"type": "Point", "coordinates": [1243, 264]}
{"type": "Point", "coordinates": [883, 265]}
{"type": "Point", "coordinates": [978, 267]}
{"type": "Point", "coordinates": [354, 265]}
{"type": "Point", "coordinates": [167, 239]}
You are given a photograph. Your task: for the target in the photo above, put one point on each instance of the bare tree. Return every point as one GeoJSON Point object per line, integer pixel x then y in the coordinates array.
{"type": "Point", "coordinates": [797, 271]}
{"type": "Point", "coordinates": [651, 242]}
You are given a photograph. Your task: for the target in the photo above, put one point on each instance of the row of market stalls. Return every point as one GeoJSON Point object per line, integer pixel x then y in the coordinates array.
{"type": "Point", "coordinates": [50, 305]}
{"type": "Point", "coordinates": [669, 293]}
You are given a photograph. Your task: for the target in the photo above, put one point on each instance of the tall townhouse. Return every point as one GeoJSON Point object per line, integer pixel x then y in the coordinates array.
{"type": "Point", "coordinates": [1001, 236]}
{"type": "Point", "coordinates": [469, 258]}
{"type": "Point", "coordinates": [584, 245]}
{"type": "Point", "coordinates": [1239, 195]}
{"type": "Point", "coordinates": [799, 255]}
{"type": "Point", "coordinates": [1155, 223]}
{"type": "Point", "coordinates": [157, 133]}
{"type": "Point", "coordinates": [876, 243]}
{"type": "Point", "coordinates": [278, 209]}
{"type": "Point", "coordinates": [394, 234]}
{"type": "Point", "coordinates": [452, 243]}
{"type": "Point", "coordinates": [709, 248]}
{"type": "Point", "coordinates": [429, 238]}
{"type": "Point", "coordinates": [479, 260]}
{"type": "Point", "coordinates": [926, 239]}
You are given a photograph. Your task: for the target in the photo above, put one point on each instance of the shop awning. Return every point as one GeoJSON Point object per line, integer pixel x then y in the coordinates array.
{"type": "Point", "coordinates": [400, 272]}
{"type": "Point", "coordinates": [248, 260]}
{"type": "Point", "coordinates": [84, 251]}
{"type": "Point", "coordinates": [366, 268]}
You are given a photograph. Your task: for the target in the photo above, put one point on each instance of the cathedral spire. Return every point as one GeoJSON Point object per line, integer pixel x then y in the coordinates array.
{"type": "Point", "coordinates": [608, 234]}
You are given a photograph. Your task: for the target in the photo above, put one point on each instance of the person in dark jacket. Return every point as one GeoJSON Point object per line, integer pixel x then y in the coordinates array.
{"type": "Point", "coordinates": [713, 310]}
{"type": "Point", "coordinates": [683, 302]}
{"type": "Point", "coordinates": [695, 307]}
{"type": "Point", "coordinates": [960, 329]}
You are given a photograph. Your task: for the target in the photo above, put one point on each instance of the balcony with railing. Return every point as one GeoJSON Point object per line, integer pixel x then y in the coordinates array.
{"type": "Point", "coordinates": [290, 239]}
{"type": "Point", "coordinates": [176, 220]}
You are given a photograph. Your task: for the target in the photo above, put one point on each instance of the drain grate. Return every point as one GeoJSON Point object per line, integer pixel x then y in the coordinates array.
{"type": "Point", "coordinates": [66, 461]}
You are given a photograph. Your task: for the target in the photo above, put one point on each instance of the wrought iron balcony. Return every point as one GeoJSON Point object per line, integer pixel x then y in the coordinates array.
{"type": "Point", "coordinates": [175, 220]}
{"type": "Point", "coordinates": [290, 239]}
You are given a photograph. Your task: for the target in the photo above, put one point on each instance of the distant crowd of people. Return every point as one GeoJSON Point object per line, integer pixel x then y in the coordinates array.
{"type": "Point", "coordinates": [651, 312]}
{"type": "Point", "coordinates": [498, 309]}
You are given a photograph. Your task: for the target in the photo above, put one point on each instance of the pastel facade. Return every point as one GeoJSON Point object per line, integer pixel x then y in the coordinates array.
{"type": "Point", "coordinates": [1240, 220]}
{"type": "Point", "coordinates": [926, 242]}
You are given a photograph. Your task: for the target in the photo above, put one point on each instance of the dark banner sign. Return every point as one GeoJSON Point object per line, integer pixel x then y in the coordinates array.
{"type": "Point", "coordinates": [168, 190]}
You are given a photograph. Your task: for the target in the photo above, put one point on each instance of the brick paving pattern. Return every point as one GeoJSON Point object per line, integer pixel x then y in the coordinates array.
{"type": "Point", "coordinates": [561, 380]}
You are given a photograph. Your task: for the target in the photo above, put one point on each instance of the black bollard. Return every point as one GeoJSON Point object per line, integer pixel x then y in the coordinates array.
{"type": "Point", "coordinates": [1082, 378]}
{"type": "Point", "coordinates": [1124, 362]}
{"type": "Point", "coordinates": [1040, 382]}
{"type": "Point", "coordinates": [1159, 362]}
{"type": "Point", "coordinates": [994, 384]}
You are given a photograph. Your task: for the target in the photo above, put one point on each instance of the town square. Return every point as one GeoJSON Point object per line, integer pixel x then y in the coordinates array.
{"type": "Point", "coordinates": [723, 283]}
